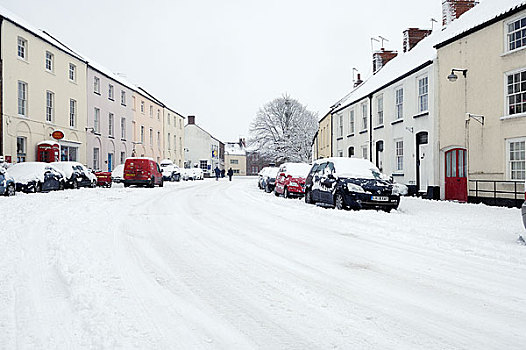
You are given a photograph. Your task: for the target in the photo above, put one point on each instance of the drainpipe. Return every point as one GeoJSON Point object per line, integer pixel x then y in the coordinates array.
{"type": "Point", "coordinates": [370, 127]}
{"type": "Point", "coordinates": [1, 91]}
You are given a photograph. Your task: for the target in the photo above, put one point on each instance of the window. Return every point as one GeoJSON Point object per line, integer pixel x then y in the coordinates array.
{"type": "Point", "coordinates": [235, 171]}
{"type": "Point", "coordinates": [96, 158]}
{"type": "Point", "coordinates": [142, 107]}
{"type": "Point", "coordinates": [158, 114]}
{"type": "Point", "coordinates": [49, 61]}
{"type": "Point", "coordinates": [175, 142]}
{"type": "Point", "coordinates": [517, 34]}
{"type": "Point", "coordinates": [516, 159]}
{"type": "Point", "coordinates": [151, 137]}
{"type": "Point", "coordinates": [68, 153]}
{"type": "Point", "coordinates": [96, 121]}
{"type": "Point", "coordinates": [21, 146]}
{"type": "Point", "coordinates": [168, 119]}
{"type": "Point", "coordinates": [517, 93]}
{"type": "Point", "coordinates": [111, 125]}
{"type": "Point", "coordinates": [180, 124]}
{"type": "Point", "coordinates": [351, 121]}
{"type": "Point", "coordinates": [72, 72]}
{"type": "Point", "coordinates": [50, 105]}
{"type": "Point", "coordinates": [399, 103]}
{"type": "Point", "coordinates": [203, 164]}
{"type": "Point", "coordinates": [134, 101]}
{"type": "Point", "coordinates": [123, 128]}
{"type": "Point", "coordinates": [423, 94]}
{"type": "Point", "coordinates": [72, 113]}
{"type": "Point", "coordinates": [142, 133]}
{"type": "Point", "coordinates": [234, 161]}
{"type": "Point", "coordinates": [340, 125]}
{"type": "Point", "coordinates": [399, 155]}
{"type": "Point", "coordinates": [96, 85]}
{"type": "Point", "coordinates": [123, 157]}
{"type": "Point", "coordinates": [22, 48]}
{"type": "Point", "coordinates": [180, 143]}
{"type": "Point", "coordinates": [168, 140]}
{"type": "Point", "coordinates": [365, 154]}
{"type": "Point", "coordinates": [22, 98]}
{"type": "Point", "coordinates": [340, 153]}
{"type": "Point", "coordinates": [151, 111]}
{"type": "Point", "coordinates": [123, 97]}
{"type": "Point", "coordinates": [364, 116]}
{"type": "Point", "coordinates": [111, 92]}
{"type": "Point", "coordinates": [158, 139]}
{"type": "Point", "coordinates": [350, 152]}
{"type": "Point", "coordinates": [380, 111]}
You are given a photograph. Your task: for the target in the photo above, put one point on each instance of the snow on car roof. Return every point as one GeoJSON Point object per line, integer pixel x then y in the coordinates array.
{"type": "Point", "coordinates": [353, 167]}
{"type": "Point", "coordinates": [146, 158]}
{"type": "Point", "coordinates": [29, 171]}
{"type": "Point", "coordinates": [296, 169]}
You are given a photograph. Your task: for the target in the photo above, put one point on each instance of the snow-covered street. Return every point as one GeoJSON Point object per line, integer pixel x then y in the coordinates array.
{"type": "Point", "coordinates": [222, 265]}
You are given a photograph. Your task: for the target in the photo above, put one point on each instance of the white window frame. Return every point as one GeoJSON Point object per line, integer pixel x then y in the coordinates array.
{"type": "Point", "coordinates": [142, 107]}
{"type": "Point", "coordinates": [168, 141]}
{"type": "Point", "coordinates": [72, 72]}
{"type": "Point", "coordinates": [151, 137]}
{"type": "Point", "coordinates": [159, 139]}
{"type": "Point", "coordinates": [380, 110]}
{"type": "Point", "coordinates": [365, 117]}
{"type": "Point", "coordinates": [21, 152]}
{"type": "Point", "coordinates": [151, 111]}
{"type": "Point", "coordinates": [158, 114]}
{"type": "Point", "coordinates": [123, 98]}
{"type": "Point", "coordinates": [50, 106]}
{"type": "Point", "coordinates": [111, 124]}
{"type": "Point", "coordinates": [123, 128]}
{"type": "Point", "coordinates": [351, 121]}
{"type": "Point", "coordinates": [340, 125]}
{"type": "Point", "coordinates": [399, 103]}
{"type": "Point", "coordinates": [50, 62]}
{"type": "Point", "coordinates": [22, 98]}
{"type": "Point", "coordinates": [423, 94]}
{"type": "Point", "coordinates": [522, 39]}
{"type": "Point", "coordinates": [399, 155]}
{"type": "Point", "coordinates": [142, 134]}
{"type": "Point", "coordinates": [72, 113]}
{"type": "Point", "coordinates": [509, 167]}
{"type": "Point", "coordinates": [21, 48]}
{"type": "Point", "coordinates": [522, 74]}
{"type": "Point", "coordinates": [111, 92]}
{"type": "Point", "coordinates": [96, 120]}
{"type": "Point", "coordinates": [168, 119]}
{"type": "Point", "coordinates": [96, 158]}
{"type": "Point", "coordinates": [365, 151]}
{"type": "Point", "coordinates": [96, 85]}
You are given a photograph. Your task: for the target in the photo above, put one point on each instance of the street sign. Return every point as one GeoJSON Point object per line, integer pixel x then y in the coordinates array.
{"type": "Point", "coordinates": [57, 134]}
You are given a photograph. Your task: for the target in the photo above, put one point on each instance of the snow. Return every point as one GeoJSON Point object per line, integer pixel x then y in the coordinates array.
{"type": "Point", "coordinates": [354, 167]}
{"type": "Point", "coordinates": [30, 171]}
{"type": "Point", "coordinates": [223, 265]}
{"type": "Point", "coordinates": [234, 149]}
{"type": "Point", "coordinates": [296, 169]}
{"type": "Point", "coordinates": [49, 143]}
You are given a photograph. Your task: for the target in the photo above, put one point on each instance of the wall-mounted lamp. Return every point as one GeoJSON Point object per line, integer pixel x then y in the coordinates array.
{"type": "Point", "coordinates": [478, 118]}
{"type": "Point", "coordinates": [453, 77]}
{"type": "Point", "coordinates": [92, 130]}
{"type": "Point", "coordinates": [410, 129]}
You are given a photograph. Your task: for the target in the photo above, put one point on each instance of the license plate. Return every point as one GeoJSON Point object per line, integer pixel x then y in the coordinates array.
{"type": "Point", "coordinates": [131, 174]}
{"type": "Point", "coordinates": [380, 198]}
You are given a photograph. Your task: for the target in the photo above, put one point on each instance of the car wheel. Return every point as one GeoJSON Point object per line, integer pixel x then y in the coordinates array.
{"type": "Point", "coordinates": [308, 197]}
{"type": "Point", "coordinates": [94, 184]}
{"type": "Point", "coordinates": [126, 184]}
{"type": "Point", "coordinates": [339, 202]}
{"type": "Point", "coordinates": [75, 184]}
{"type": "Point", "coordinates": [38, 187]}
{"type": "Point", "coordinates": [172, 178]}
{"type": "Point", "coordinates": [276, 192]}
{"type": "Point", "coordinates": [162, 183]}
{"type": "Point", "coordinates": [152, 182]}
{"type": "Point", "coordinates": [286, 193]}
{"type": "Point", "coordinates": [109, 184]}
{"type": "Point", "coordinates": [61, 186]}
{"type": "Point", "coordinates": [267, 189]}
{"type": "Point", "coordinates": [10, 191]}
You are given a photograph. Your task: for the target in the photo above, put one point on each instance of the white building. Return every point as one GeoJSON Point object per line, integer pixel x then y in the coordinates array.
{"type": "Point", "coordinates": [202, 150]}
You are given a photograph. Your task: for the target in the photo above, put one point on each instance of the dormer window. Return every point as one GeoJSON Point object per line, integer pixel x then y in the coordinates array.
{"type": "Point", "coordinates": [517, 34]}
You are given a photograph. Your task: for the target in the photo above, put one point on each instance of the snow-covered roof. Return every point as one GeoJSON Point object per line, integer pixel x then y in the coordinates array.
{"type": "Point", "coordinates": [425, 51]}
{"type": "Point", "coordinates": [123, 81]}
{"type": "Point", "coordinates": [39, 33]}
{"type": "Point", "coordinates": [481, 14]}
{"type": "Point", "coordinates": [48, 142]}
{"type": "Point", "coordinates": [234, 149]}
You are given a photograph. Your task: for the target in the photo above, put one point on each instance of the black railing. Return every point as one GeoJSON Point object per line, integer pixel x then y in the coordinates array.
{"type": "Point", "coordinates": [496, 192]}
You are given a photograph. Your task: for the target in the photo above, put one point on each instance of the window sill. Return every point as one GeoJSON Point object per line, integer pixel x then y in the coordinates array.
{"type": "Point", "coordinates": [350, 135]}
{"type": "Point", "coordinates": [73, 82]}
{"type": "Point", "coordinates": [513, 51]}
{"type": "Point", "coordinates": [423, 114]}
{"type": "Point", "coordinates": [111, 137]}
{"type": "Point", "coordinates": [123, 139]}
{"type": "Point", "coordinates": [398, 174]}
{"type": "Point", "coordinates": [123, 105]}
{"type": "Point", "coordinates": [379, 127]}
{"type": "Point", "coordinates": [96, 133]}
{"type": "Point", "coordinates": [339, 138]}
{"type": "Point", "coordinates": [111, 99]}
{"type": "Point", "coordinates": [50, 72]}
{"type": "Point", "coordinates": [513, 116]}
{"type": "Point", "coordinates": [96, 93]}
{"type": "Point", "coordinates": [363, 131]}
{"type": "Point", "coordinates": [22, 60]}
{"type": "Point", "coordinates": [397, 121]}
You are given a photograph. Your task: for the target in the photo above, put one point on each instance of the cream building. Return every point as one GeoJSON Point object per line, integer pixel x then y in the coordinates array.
{"type": "Point", "coordinates": [43, 90]}
{"type": "Point", "coordinates": [482, 101]}
{"type": "Point", "coordinates": [173, 136]}
{"type": "Point", "coordinates": [322, 144]}
{"type": "Point", "coordinates": [236, 157]}
{"type": "Point", "coordinates": [148, 133]}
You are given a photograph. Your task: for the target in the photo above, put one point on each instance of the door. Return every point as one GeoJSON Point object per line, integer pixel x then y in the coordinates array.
{"type": "Point", "coordinates": [110, 162]}
{"type": "Point", "coordinates": [380, 155]}
{"type": "Point", "coordinates": [456, 177]}
{"type": "Point", "coordinates": [422, 161]}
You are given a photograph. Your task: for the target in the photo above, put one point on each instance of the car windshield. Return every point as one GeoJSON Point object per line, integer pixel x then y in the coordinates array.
{"type": "Point", "coordinates": [357, 168]}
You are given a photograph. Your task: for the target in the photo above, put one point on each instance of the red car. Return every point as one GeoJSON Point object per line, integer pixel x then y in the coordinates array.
{"type": "Point", "coordinates": [103, 178]}
{"type": "Point", "coordinates": [143, 172]}
{"type": "Point", "coordinates": [290, 181]}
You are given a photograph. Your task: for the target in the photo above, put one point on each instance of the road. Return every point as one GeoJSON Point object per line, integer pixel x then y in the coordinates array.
{"type": "Point", "coordinates": [222, 265]}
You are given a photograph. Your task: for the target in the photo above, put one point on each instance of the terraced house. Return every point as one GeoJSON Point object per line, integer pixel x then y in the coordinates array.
{"type": "Point", "coordinates": [147, 126]}
{"type": "Point", "coordinates": [43, 90]}
{"type": "Point", "coordinates": [173, 136]}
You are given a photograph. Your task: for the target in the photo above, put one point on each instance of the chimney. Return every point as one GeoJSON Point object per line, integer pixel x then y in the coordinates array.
{"type": "Point", "coordinates": [453, 9]}
{"type": "Point", "coordinates": [380, 58]}
{"type": "Point", "coordinates": [358, 81]}
{"type": "Point", "coordinates": [191, 119]}
{"type": "Point", "coordinates": [413, 36]}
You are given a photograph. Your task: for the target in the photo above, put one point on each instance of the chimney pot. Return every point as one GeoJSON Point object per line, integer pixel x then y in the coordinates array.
{"type": "Point", "coordinates": [453, 9]}
{"type": "Point", "coordinates": [191, 119]}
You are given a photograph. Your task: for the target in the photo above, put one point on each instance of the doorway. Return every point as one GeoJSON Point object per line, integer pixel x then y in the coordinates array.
{"type": "Point", "coordinates": [456, 177]}
{"type": "Point", "coordinates": [380, 155]}
{"type": "Point", "coordinates": [422, 161]}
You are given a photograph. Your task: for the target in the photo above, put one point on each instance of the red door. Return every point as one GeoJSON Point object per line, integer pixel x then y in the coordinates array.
{"type": "Point", "coordinates": [456, 180]}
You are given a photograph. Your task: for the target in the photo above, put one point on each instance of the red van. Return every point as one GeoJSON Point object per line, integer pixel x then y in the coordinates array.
{"type": "Point", "coordinates": [142, 171]}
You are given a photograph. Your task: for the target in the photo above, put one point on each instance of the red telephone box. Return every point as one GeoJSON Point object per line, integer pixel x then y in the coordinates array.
{"type": "Point", "coordinates": [48, 151]}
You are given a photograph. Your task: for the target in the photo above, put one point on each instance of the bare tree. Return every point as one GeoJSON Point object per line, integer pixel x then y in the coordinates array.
{"type": "Point", "coordinates": [283, 131]}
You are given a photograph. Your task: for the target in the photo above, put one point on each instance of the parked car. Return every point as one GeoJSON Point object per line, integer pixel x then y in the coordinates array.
{"type": "Point", "coordinates": [76, 174]}
{"type": "Point", "coordinates": [350, 183]}
{"type": "Point", "coordinates": [117, 175]}
{"type": "Point", "coordinates": [267, 178]}
{"type": "Point", "coordinates": [103, 178]}
{"type": "Point", "coordinates": [7, 183]}
{"type": "Point", "coordinates": [192, 174]}
{"type": "Point", "coordinates": [198, 174]}
{"type": "Point", "coordinates": [290, 181]}
{"type": "Point", "coordinates": [37, 177]}
{"type": "Point", "coordinates": [142, 171]}
{"type": "Point", "coordinates": [171, 172]}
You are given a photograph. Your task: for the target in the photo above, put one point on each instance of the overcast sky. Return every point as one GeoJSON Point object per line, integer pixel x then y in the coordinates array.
{"type": "Point", "coordinates": [222, 60]}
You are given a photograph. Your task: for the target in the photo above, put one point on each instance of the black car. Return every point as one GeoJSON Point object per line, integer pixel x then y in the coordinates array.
{"type": "Point", "coordinates": [76, 174]}
{"type": "Point", "coordinates": [350, 183]}
{"type": "Point", "coordinates": [37, 177]}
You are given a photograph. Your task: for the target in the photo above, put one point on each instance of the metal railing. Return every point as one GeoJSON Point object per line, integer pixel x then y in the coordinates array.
{"type": "Point", "coordinates": [496, 192]}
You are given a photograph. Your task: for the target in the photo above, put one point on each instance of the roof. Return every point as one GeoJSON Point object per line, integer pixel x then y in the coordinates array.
{"type": "Point", "coordinates": [482, 15]}
{"type": "Point", "coordinates": [234, 149]}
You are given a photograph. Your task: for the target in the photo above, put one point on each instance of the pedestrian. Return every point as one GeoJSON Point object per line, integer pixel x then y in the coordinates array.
{"type": "Point", "coordinates": [230, 173]}
{"type": "Point", "coordinates": [222, 173]}
{"type": "Point", "coordinates": [218, 172]}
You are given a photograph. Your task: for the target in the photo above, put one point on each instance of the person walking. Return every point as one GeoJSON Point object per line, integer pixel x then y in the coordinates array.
{"type": "Point", "coordinates": [217, 172]}
{"type": "Point", "coordinates": [222, 173]}
{"type": "Point", "coordinates": [230, 173]}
